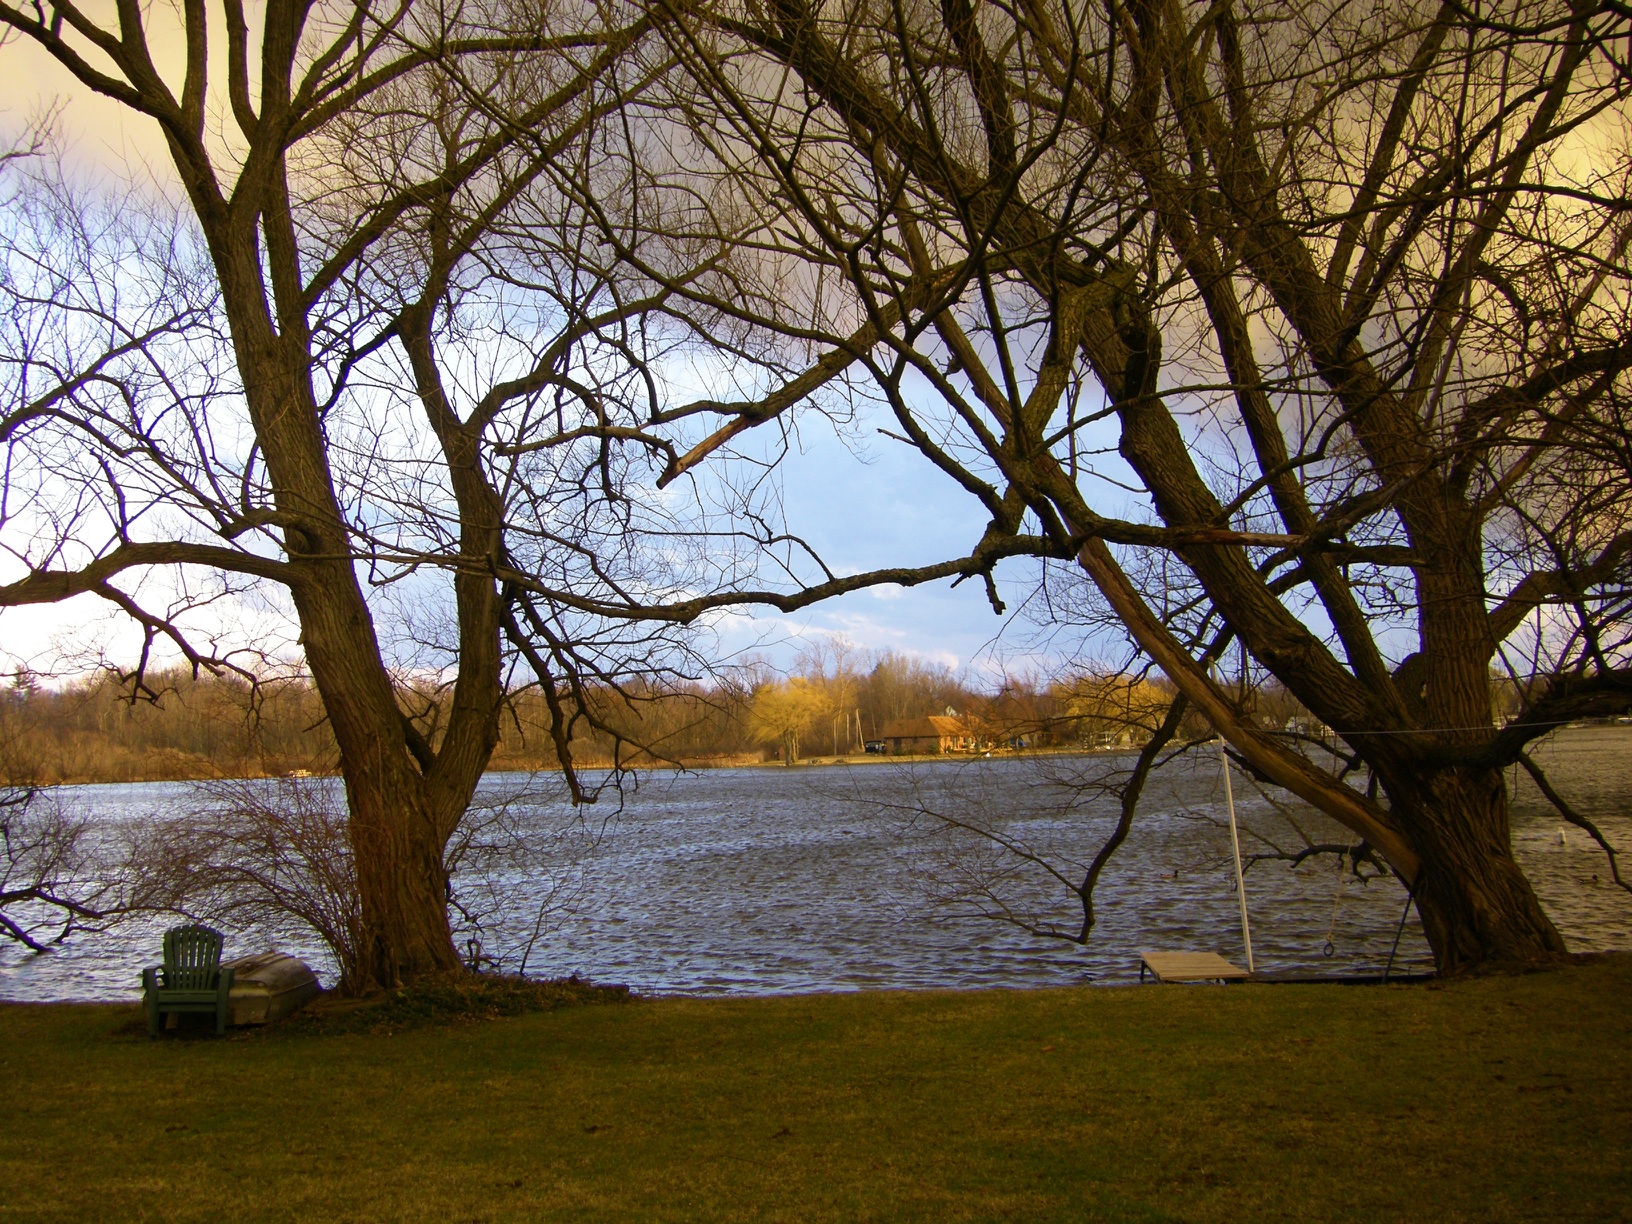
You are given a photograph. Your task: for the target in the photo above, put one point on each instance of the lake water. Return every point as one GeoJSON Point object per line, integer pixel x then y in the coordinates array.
{"type": "Point", "coordinates": [825, 878]}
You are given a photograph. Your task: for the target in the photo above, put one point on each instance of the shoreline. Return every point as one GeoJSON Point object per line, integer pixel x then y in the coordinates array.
{"type": "Point", "coordinates": [696, 764]}
{"type": "Point", "coordinates": [692, 765]}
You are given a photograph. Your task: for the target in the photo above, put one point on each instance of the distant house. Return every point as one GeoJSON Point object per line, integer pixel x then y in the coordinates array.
{"type": "Point", "coordinates": [936, 733]}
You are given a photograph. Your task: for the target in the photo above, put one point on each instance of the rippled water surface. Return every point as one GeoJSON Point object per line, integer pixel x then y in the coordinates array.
{"type": "Point", "coordinates": [854, 877]}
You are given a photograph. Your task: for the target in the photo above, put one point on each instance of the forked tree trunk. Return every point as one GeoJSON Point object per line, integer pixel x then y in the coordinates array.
{"type": "Point", "coordinates": [1476, 905]}
{"type": "Point", "coordinates": [398, 828]}
{"type": "Point", "coordinates": [398, 836]}
{"type": "Point", "coordinates": [404, 799]}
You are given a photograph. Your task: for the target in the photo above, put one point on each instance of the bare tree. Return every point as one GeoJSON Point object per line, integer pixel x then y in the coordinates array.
{"type": "Point", "coordinates": [207, 404]}
{"type": "Point", "coordinates": [1299, 327]}
{"type": "Point", "coordinates": [382, 359]}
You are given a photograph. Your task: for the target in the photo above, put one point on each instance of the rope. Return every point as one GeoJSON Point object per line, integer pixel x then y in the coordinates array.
{"type": "Point", "coordinates": [1329, 948]}
{"type": "Point", "coordinates": [1552, 722]}
{"type": "Point", "coordinates": [1410, 896]}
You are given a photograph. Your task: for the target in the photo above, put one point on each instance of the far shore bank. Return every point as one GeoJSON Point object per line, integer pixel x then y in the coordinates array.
{"type": "Point", "coordinates": [190, 773]}
{"type": "Point", "coordinates": [174, 767]}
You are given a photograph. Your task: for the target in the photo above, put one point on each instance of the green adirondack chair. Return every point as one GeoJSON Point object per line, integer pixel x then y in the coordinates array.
{"type": "Point", "coordinates": [190, 980]}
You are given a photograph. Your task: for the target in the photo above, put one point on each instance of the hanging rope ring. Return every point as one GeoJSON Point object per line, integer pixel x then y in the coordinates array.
{"type": "Point", "coordinates": [1329, 949]}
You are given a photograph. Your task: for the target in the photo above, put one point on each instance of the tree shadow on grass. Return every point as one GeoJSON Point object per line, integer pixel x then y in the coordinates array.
{"type": "Point", "coordinates": [435, 1003]}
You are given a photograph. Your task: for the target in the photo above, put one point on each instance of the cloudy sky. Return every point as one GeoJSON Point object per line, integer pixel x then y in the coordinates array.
{"type": "Point", "coordinates": [889, 507]}
{"type": "Point", "coordinates": [885, 506]}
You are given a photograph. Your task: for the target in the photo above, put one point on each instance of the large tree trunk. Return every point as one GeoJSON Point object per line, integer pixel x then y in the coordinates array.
{"type": "Point", "coordinates": [1444, 830]}
{"type": "Point", "coordinates": [398, 836]}
{"type": "Point", "coordinates": [398, 831]}
{"type": "Point", "coordinates": [402, 881]}
{"type": "Point", "coordinates": [1476, 905]}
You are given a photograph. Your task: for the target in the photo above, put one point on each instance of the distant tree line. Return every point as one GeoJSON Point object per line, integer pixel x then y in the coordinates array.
{"type": "Point", "coordinates": [92, 730]}
{"type": "Point", "coordinates": [836, 698]}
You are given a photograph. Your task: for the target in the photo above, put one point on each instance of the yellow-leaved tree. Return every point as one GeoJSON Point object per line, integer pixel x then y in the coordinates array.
{"type": "Point", "coordinates": [782, 710]}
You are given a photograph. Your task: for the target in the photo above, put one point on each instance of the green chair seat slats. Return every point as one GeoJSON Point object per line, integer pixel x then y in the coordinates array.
{"type": "Point", "coordinates": [190, 980]}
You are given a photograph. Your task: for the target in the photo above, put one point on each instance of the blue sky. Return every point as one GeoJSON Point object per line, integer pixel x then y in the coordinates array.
{"type": "Point", "coordinates": [893, 509]}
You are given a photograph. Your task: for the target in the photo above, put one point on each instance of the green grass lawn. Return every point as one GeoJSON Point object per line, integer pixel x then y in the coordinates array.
{"type": "Point", "coordinates": [1493, 1099]}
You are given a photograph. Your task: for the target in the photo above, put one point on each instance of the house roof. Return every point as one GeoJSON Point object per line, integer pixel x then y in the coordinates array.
{"type": "Point", "coordinates": [935, 726]}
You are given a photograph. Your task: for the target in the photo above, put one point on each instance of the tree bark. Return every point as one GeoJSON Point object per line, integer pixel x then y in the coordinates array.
{"type": "Point", "coordinates": [401, 880]}
{"type": "Point", "coordinates": [1476, 905]}
{"type": "Point", "coordinates": [397, 837]}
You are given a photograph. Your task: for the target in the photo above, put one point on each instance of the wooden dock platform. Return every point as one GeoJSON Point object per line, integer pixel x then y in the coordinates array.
{"type": "Point", "coordinates": [1189, 967]}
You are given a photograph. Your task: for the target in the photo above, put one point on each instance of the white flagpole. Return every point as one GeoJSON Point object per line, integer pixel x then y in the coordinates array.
{"type": "Point", "coordinates": [1235, 844]}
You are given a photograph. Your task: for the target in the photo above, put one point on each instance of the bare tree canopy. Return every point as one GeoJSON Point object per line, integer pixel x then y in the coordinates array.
{"type": "Point", "coordinates": [367, 359]}
{"type": "Point", "coordinates": [1303, 328]}
{"type": "Point", "coordinates": [1298, 328]}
